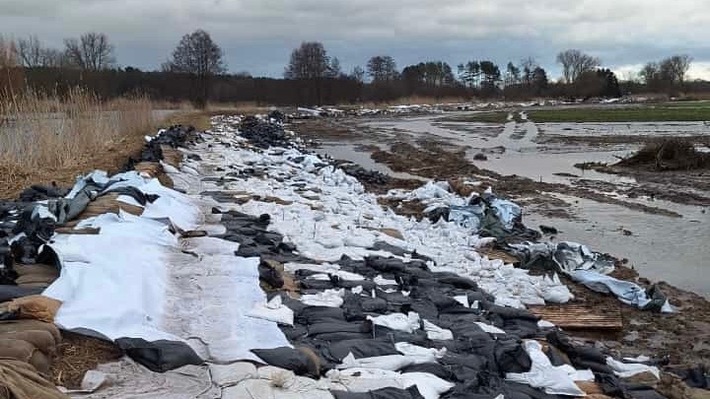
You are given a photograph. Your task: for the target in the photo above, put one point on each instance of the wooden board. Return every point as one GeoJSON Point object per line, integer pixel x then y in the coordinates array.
{"type": "Point", "coordinates": [580, 317]}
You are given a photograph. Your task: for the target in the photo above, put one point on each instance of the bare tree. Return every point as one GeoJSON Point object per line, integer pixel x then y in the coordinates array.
{"type": "Point", "coordinates": [650, 73]}
{"type": "Point", "coordinates": [309, 61]}
{"type": "Point", "coordinates": [358, 74]}
{"type": "Point", "coordinates": [527, 67]}
{"type": "Point", "coordinates": [30, 51]}
{"type": "Point", "coordinates": [675, 68]}
{"type": "Point", "coordinates": [33, 55]}
{"type": "Point", "coordinates": [575, 63]}
{"type": "Point", "coordinates": [199, 56]}
{"type": "Point", "coordinates": [92, 51]}
{"type": "Point", "coordinates": [382, 68]}
{"type": "Point", "coordinates": [53, 58]}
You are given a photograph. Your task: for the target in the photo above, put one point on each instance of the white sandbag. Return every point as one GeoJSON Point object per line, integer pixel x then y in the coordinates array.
{"type": "Point", "coordinates": [274, 310]}
{"type": "Point", "coordinates": [437, 333]}
{"type": "Point", "coordinates": [489, 328]}
{"type": "Point", "coordinates": [625, 370]}
{"type": "Point", "coordinates": [398, 321]}
{"type": "Point", "coordinates": [389, 362]}
{"type": "Point", "coordinates": [331, 298]}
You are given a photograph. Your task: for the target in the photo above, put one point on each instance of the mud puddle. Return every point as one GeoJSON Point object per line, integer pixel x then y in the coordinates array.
{"type": "Point", "coordinates": [660, 248]}
{"type": "Point", "coordinates": [359, 154]}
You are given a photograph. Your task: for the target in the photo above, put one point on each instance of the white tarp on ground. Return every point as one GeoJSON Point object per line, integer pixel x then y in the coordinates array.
{"type": "Point", "coordinates": [132, 280]}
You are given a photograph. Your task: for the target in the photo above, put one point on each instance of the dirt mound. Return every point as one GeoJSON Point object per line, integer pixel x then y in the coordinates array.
{"type": "Point", "coordinates": [668, 154]}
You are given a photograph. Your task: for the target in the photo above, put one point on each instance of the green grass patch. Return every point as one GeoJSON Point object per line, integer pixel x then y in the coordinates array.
{"type": "Point", "coordinates": [496, 117]}
{"type": "Point", "coordinates": [661, 113]}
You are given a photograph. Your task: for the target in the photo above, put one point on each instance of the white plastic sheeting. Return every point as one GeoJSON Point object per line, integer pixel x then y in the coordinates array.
{"type": "Point", "coordinates": [114, 282]}
{"type": "Point", "coordinates": [554, 380]}
{"type": "Point", "coordinates": [133, 281]}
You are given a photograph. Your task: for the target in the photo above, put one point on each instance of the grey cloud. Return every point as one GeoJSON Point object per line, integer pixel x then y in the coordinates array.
{"type": "Point", "coordinates": [258, 35]}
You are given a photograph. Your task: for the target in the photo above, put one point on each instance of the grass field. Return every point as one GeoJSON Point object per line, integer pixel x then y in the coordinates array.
{"type": "Point", "coordinates": [670, 112]}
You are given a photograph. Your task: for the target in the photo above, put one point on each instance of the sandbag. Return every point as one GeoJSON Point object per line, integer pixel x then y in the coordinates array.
{"type": "Point", "coordinates": [19, 380]}
{"type": "Point", "coordinates": [42, 340]}
{"type": "Point", "coordinates": [41, 362]}
{"type": "Point", "coordinates": [33, 280]}
{"type": "Point", "coordinates": [10, 292]}
{"type": "Point", "coordinates": [30, 325]}
{"type": "Point", "coordinates": [360, 348]}
{"type": "Point", "coordinates": [159, 356]}
{"type": "Point", "coordinates": [37, 269]}
{"type": "Point", "coordinates": [16, 349]}
{"type": "Point", "coordinates": [37, 307]}
{"type": "Point", "coordinates": [384, 393]}
{"type": "Point", "coordinates": [301, 361]}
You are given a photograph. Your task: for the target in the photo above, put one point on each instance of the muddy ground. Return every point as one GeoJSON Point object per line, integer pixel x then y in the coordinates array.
{"type": "Point", "coordinates": [683, 338]}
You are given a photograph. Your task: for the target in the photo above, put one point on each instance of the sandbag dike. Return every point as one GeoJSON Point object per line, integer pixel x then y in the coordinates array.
{"type": "Point", "coordinates": [179, 284]}
{"type": "Point", "coordinates": [35, 276]}
{"type": "Point", "coordinates": [379, 306]}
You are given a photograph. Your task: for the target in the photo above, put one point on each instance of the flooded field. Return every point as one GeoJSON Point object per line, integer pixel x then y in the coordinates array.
{"type": "Point", "coordinates": [662, 247]}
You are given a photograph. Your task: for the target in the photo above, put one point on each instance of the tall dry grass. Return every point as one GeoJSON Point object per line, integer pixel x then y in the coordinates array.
{"type": "Point", "coordinates": [48, 138]}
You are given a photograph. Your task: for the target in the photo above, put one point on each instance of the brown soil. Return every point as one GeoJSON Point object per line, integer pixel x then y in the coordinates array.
{"type": "Point", "coordinates": [78, 354]}
{"type": "Point", "coordinates": [681, 336]}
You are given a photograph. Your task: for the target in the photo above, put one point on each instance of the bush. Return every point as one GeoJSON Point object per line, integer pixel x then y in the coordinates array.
{"type": "Point", "coordinates": [668, 154]}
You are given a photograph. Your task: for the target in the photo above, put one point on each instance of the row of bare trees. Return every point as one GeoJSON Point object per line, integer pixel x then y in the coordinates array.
{"type": "Point", "coordinates": [91, 51]}
{"type": "Point", "coordinates": [314, 72]}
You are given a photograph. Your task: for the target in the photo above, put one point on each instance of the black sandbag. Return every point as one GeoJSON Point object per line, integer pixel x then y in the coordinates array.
{"type": "Point", "coordinates": [314, 284]}
{"type": "Point", "coordinates": [418, 337]}
{"type": "Point", "coordinates": [384, 393]}
{"type": "Point", "coordinates": [575, 352]}
{"type": "Point", "coordinates": [557, 358]}
{"type": "Point", "coordinates": [39, 192]}
{"type": "Point", "coordinates": [511, 357]}
{"type": "Point", "coordinates": [510, 313]}
{"type": "Point", "coordinates": [159, 356]}
{"type": "Point", "coordinates": [10, 292]}
{"type": "Point", "coordinates": [473, 362]}
{"type": "Point", "coordinates": [459, 282]}
{"type": "Point", "coordinates": [426, 309]}
{"type": "Point", "coordinates": [290, 359]}
{"type": "Point", "coordinates": [443, 372]}
{"type": "Point", "coordinates": [385, 265]}
{"type": "Point", "coordinates": [523, 328]}
{"type": "Point", "coordinates": [335, 326]}
{"type": "Point", "coordinates": [294, 333]}
{"type": "Point", "coordinates": [360, 348]}
{"type": "Point", "coordinates": [317, 314]}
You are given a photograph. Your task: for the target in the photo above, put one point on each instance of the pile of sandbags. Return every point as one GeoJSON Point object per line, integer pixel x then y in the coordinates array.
{"type": "Point", "coordinates": [28, 342]}
{"type": "Point", "coordinates": [36, 275]}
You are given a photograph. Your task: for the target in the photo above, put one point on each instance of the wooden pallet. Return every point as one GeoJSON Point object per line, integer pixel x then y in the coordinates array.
{"type": "Point", "coordinates": [580, 317]}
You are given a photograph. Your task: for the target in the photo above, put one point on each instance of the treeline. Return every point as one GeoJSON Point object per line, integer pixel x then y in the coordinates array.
{"type": "Point", "coordinates": [196, 71]}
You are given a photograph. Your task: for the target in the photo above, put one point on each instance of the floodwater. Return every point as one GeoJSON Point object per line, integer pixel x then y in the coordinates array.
{"type": "Point", "coordinates": [661, 248]}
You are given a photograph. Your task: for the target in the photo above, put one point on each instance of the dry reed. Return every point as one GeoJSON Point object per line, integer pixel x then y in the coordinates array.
{"type": "Point", "coordinates": [51, 138]}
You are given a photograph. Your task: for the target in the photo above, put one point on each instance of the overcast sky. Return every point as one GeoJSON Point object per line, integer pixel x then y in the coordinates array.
{"type": "Point", "coordinates": [258, 35]}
